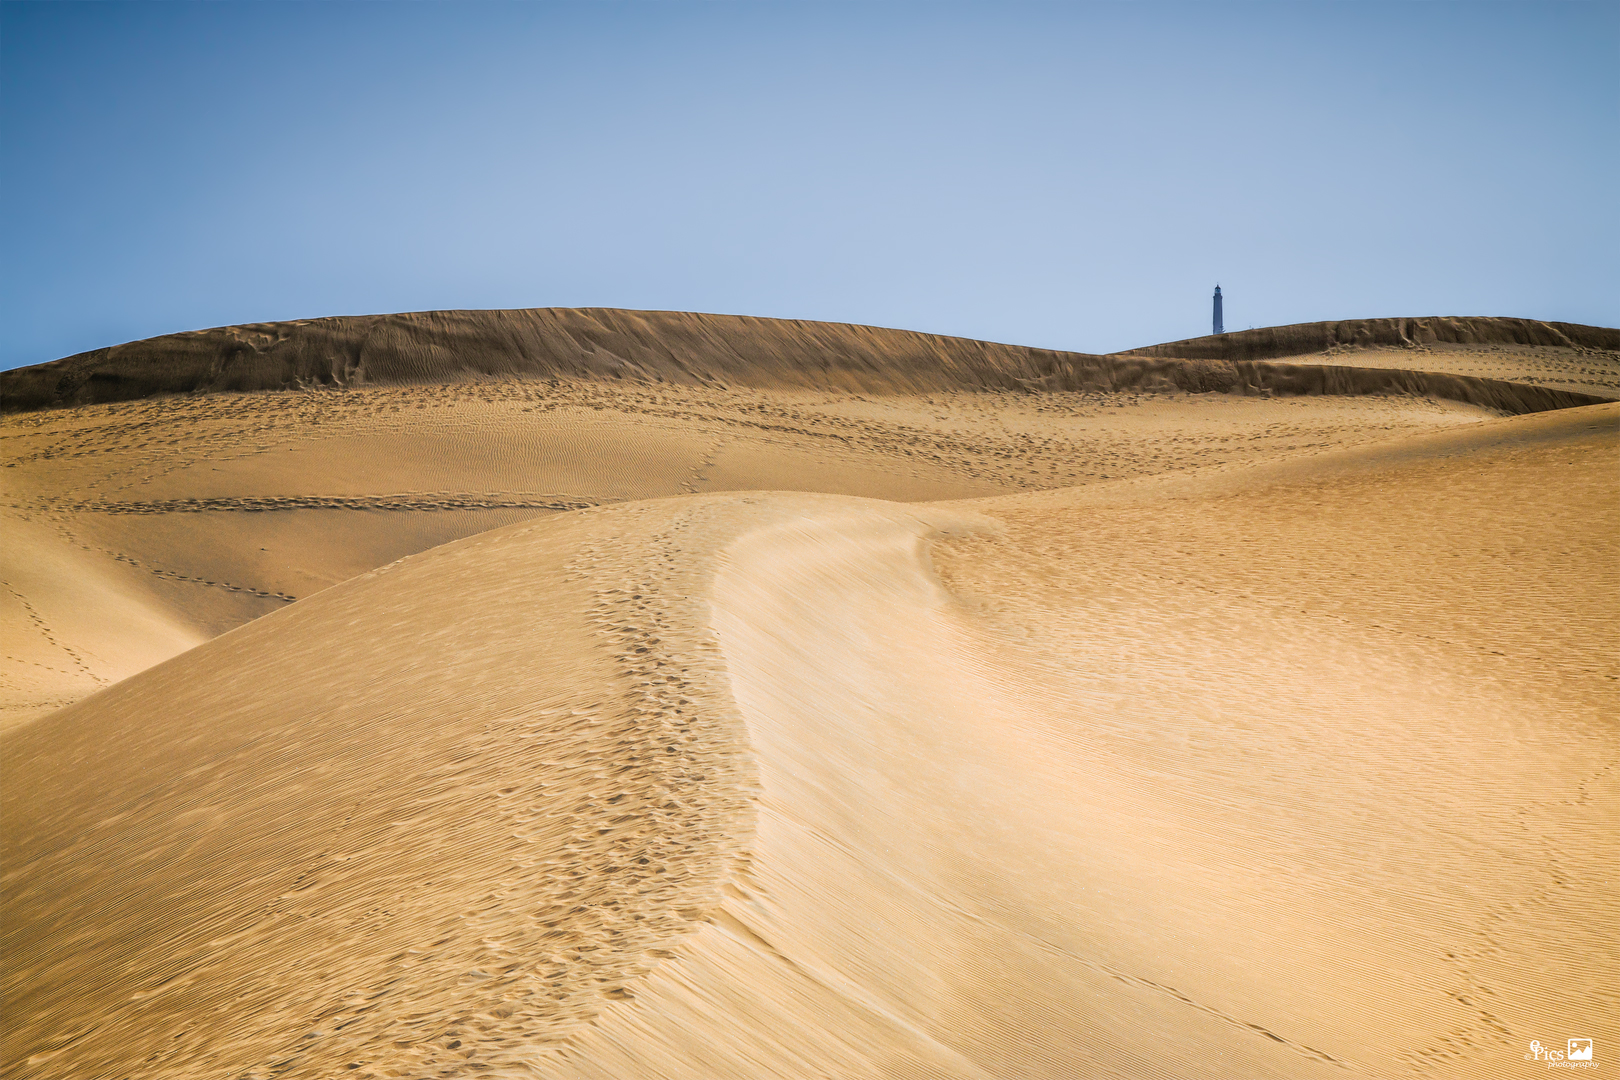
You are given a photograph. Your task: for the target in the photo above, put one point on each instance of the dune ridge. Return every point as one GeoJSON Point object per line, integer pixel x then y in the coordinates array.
{"type": "Point", "coordinates": [1298, 339]}
{"type": "Point", "coordinates": [728, 350]}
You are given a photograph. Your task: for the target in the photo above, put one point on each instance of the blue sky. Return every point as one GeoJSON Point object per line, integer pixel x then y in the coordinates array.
{"type": "Point", "coordinates": [1068, 175]}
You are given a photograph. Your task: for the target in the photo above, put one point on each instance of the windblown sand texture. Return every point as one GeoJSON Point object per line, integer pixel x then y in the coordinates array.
{"type": "Point", "coordinates": [913, 714]}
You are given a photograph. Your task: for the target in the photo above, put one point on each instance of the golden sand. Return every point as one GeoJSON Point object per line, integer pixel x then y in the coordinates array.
{"type": "Point", "coordinates": [581, 729]}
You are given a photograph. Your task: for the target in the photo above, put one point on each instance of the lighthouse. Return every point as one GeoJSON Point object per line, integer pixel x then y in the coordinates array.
{"type": "Point", "coordinates": [1220, 327]}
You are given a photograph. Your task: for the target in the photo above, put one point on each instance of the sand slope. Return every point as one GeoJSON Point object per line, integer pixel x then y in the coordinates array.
{"type": "Point", "coordinates": [354, 441]}
{"type": "Point", "coordinates": [206, 511]}
{"type": "Point", "coordinates": [1298, 339]}
{"type": "Point", "coordinates": [612, 694]}
{"type": "Point", "coordinates": [1561, 356]}
{"type": "Point", "coordinates": [72, 623]}
{"type": "Point", "coordinates": [1286, 769]}
{"type": "Point", "coordinates": [469, 782]}
{"type": "Point", "coordinates": [727, 350]}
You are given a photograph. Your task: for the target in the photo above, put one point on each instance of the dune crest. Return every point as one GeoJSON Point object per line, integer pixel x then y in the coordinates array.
{"type": "Point", "coordinates": [1299, 339]}
{"type": "Point", "coordinates": [730, 350]}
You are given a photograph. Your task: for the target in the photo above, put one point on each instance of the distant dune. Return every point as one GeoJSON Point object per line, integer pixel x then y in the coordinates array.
{"type": "Point", "coordinates": [646, 696]}
{"type": "Point", "coordinates": [1299, 339]}
{"type": "Point", "coordinates": [727, 350]}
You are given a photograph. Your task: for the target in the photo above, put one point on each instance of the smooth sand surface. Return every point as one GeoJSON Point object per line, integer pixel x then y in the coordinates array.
{"type": "Point", "coordinates": [570, 729]}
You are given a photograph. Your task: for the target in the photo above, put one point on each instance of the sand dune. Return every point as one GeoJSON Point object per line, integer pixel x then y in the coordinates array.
{"type": "Point", "coordinates": [728, 350]}
{"type": "Point", "coordinates": [573, 728]}
{"type": "Point", "coordinates": [585, 797]}
{"type": "Point", "coordinates": [1560, 356]}
{"type": "Point", "coordinates": [1299, 339]}
{"type": "Point", "coordinates": [211, 510]}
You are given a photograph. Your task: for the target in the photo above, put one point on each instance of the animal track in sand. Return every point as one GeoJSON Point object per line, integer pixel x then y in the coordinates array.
{"type": "Point", "coordinates": [44, 630]}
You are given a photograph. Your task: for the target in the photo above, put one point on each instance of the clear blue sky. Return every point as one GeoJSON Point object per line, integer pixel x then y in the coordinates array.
{"type": "Point", "coordinates": [1068, 175]}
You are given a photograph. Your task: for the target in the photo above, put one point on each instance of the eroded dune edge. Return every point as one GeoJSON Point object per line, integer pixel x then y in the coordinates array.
{"type": "Point", "coordinates": [729, 350]}
{"type": "Point", "coordinates": [1297, 775]}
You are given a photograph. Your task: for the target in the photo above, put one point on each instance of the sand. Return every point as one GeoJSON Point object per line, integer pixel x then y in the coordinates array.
{"type": "Point", "coordinates": [689, 349]}
{"type": "Point", "coordinates": [202, 512]}
{"type": "Point", "coordinates": [562, 727]}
